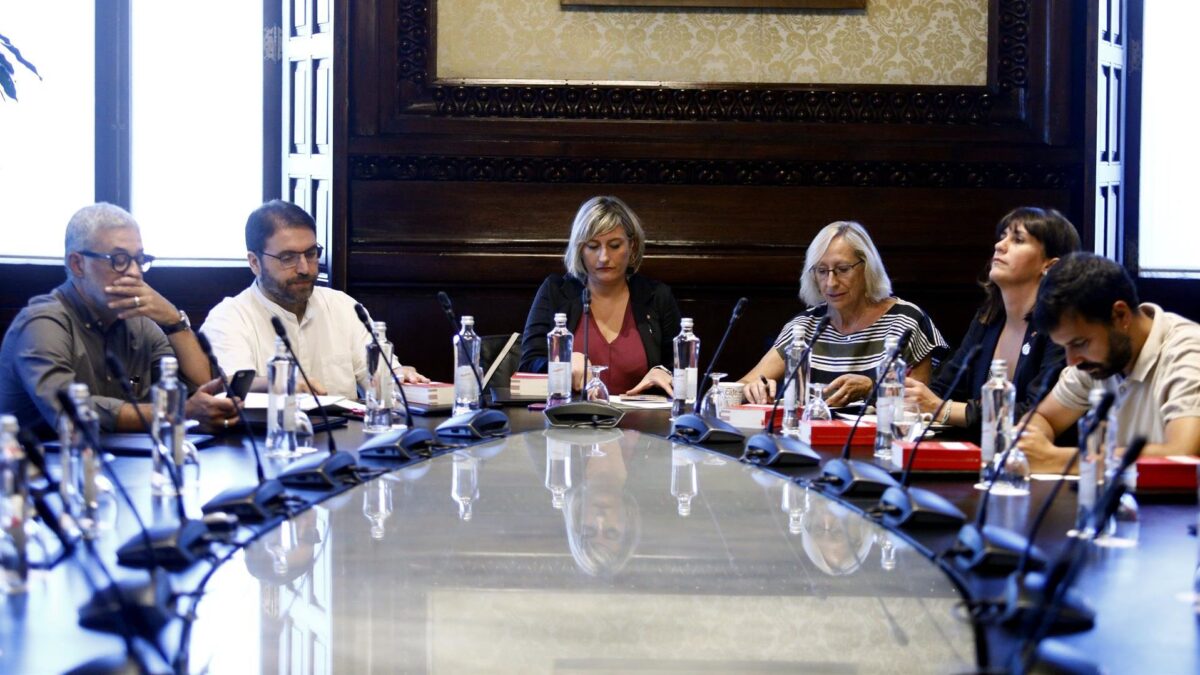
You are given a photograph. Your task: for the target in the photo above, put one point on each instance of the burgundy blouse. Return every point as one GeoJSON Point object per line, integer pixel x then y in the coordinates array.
{"type": "Point", "coordinates": [625, 356]}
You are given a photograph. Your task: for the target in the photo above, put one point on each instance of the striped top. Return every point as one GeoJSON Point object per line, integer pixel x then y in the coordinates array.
{"type": "Point", "coordinates": [861, 352]}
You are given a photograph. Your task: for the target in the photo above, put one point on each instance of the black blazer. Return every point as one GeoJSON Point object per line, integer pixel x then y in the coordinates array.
{"type": "Point", "coordinates": [1040, 358]}
{"type": "Point", "coordinates": [654, 310]}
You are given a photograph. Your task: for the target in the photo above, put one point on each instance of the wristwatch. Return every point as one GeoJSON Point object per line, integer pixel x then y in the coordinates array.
{"type": "Point", "coordinates": [184, 324]}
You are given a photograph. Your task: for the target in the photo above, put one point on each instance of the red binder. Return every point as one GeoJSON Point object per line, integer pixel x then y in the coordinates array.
{"type": "Point", "coordinates": [835, 432]}
{"type": "Point", "coordinates": [1176, 472]}
{"type": "Point", "coordinates": [938, 456]}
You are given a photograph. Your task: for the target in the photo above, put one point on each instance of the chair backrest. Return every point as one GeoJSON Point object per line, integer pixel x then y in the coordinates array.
{"type": "Point", "coordinates": [490, 347]}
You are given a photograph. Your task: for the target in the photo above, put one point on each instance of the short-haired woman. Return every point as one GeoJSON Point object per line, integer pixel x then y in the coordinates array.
{"type": "Point", "coordinates": [633, 319]}
{"type": "Point", "coordinates": [844, 279]}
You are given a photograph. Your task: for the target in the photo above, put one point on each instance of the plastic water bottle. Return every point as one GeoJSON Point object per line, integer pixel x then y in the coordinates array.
{"type": "Point", "coordinates": [84, 460]}
{"type": "Point", "coordinates": [1091, 478]}
{"type": "Point", "coordinates": [998, 401]}
{"type": "Point", "coordinates": [14, 509]}
{"type": "Point", "coordinates": [378, 417]}
{"type": "Point", "coordinates": [795, 374]}
{"type": "Point", "coordinates": [281, 403]}
{"type": "Point", "coordinates": [168, 397]}
{"type": "Point", "coordinates": [466, 367]}
{"type": "Point", "coordinates": [890, 379]}
{"type": "Point", "coordinates": [686, 375]}
{"type": "Point", "coordinates": [559, 345]}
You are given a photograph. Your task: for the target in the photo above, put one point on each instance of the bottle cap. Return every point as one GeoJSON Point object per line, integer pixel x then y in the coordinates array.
{"type": "Point", "coordinates": [8, 424]}
{"type": "Point", "coordinates": [468, 320]}
{"type": "Point", "coordinates": [686, 323]}
{"type": "Point", "coordinates": [560, 318]}
{"type": "Point", "coordinates": [169, 366]}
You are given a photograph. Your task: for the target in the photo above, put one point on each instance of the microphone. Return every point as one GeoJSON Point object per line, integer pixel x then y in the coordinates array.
{"type": "Point", "coordinates": [317, 472]}
{"type": "Point", "coordinates": [903, 505]}
{"type": "Point", "coordinates": [172, 547]}
{"type": "Point", "coordinates": [403, 444]}
{"type": "Point", "coordinates": [694, 428]}
{"type": "Point", "coordinates": [473, 424]}
{"type": "Point", "coordinates": [36, 456]}
{"type": "Point", "coordinates": [580, 414]}
{"type": "Point", "coordinates": [765, 447]}
{"type": "Point", "coordinates": [989, 549]}
{"type": "Point", "coordinates": [855, 478]}
{"type": "Point", "coordinates": [256, 503]}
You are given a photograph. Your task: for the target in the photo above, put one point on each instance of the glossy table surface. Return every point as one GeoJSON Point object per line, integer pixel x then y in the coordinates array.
{"type": "Point", "coordinates": [568, 551]}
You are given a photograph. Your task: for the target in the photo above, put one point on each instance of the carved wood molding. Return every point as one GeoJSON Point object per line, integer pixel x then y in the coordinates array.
{"type": "Point", "coordinates": [416, 88]}
{"type": "Point", "coordinates": [712, 172]}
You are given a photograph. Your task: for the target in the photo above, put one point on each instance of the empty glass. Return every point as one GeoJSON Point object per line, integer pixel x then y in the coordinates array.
{"type": "Point", "coordinates": [1012, 479]}
{"type": "Point", "coordinates": [908, 422]}
{"type": "Point", "coordinates": [595, 389]}
{"type": "Point", "coordinates": [815, 407]}
{"type": "Point", "coordinates": [713, 404]}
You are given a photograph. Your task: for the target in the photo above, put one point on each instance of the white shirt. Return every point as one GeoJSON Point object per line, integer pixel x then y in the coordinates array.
{"type": "Point", "coordinates": [1164, 383]}
{"type": "Point", "coordinates": [330, 341]}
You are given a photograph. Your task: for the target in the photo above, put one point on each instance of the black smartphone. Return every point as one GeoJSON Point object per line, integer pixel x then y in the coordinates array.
{"type": "Point", "coordinates": [239, 385]}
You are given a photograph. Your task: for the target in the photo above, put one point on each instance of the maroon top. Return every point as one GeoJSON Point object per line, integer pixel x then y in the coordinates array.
{"type": "Point", "coordinates": [625, 356]}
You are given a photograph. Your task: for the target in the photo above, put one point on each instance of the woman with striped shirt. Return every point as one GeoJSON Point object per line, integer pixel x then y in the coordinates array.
{"type": "Point", "coordinates": [844, 279]}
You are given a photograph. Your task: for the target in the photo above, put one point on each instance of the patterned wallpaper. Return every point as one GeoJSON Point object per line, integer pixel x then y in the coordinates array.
{"type": "Point", "coordinates": [892, 42]}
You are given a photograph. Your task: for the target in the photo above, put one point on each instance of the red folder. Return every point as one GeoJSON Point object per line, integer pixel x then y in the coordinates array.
{"type": "Point", "coordinates": [938, 456]}
{"type": "Point", "coordinates": [835, 432]}
{"type": "Point", "coordinates": [1167, 473]}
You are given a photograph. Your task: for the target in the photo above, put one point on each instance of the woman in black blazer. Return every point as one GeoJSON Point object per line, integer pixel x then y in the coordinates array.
{"type": "Point", "coordinates": [633, 319]}
{"type": "Point", "coordinates": [1029, 241]}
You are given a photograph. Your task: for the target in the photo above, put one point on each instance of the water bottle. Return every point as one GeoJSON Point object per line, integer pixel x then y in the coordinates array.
{"type": "Point", "coordinates": [559, 345]}
{"type": "Point", "coordinates": [378, 417]}
{"type": "Point", "coordinates": [795, 374]}
{"type": "Point", "coordinates": [1091, 456]}
{"type": "Point", "coordinates": [168, 427]}
{"type": "Point", "coordinates": [84, 460]}
{"type": "Point", "coordinates": [281, 403]}
{"type": "Point", "coordinates": [998, 401]}
{"type": "Point", "coordinates": [686, 375]}
{"type": "Point", "coordinates": [466, 367]}
{"type": "Point", "coordinates": [889, 377]}
{"type": "Point", "coordinates": [1122, 529]}
{"type": "Point", "coordinates": [14, 509]}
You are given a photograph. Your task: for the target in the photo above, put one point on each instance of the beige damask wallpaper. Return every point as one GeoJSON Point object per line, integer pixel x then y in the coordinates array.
{"type": "Point", "coordinates": [892, 42]}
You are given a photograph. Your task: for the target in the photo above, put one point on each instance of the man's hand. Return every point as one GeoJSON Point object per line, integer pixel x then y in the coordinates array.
{"type": "Point", "coordinates": [318, 388]}
{"type": "Point", "coordinates": [214, 414]}
{"type": "Point", "coordinates": [134, 297]}
{"type": "Point", "coordinates": [655, 377]}
{"type": "Point", "coordinates": [1044, 456]}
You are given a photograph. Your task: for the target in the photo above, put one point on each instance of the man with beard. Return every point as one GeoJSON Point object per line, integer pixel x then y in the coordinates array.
{"type": "Point", "coordinates": [1147, 357]}
{"type": "Point", "coordinates": [104, 307]}
{"type": "Point", "coordinates": [282, 249]}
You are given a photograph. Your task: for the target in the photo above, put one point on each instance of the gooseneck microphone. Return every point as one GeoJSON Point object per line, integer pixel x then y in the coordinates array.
{"type": "Point", "coordinates": [172, 547]}
{"type": "Point", "coordinates": [474, 424]}
{"type": "Point", "coordinates": [855, 478]}
{"type": "Point", "coordinates": [902, 505]}
{"type": "Point", "coordinates": [583, 413]}
{"type": "Point", "coordinates": [256, 503]}
{"type": "Point", "coordinates": [318, 472]}
{"type": "Point", "coordinates": [698, 427]}
{"type": "Point", "coordinates": [587, 315]}
{"type": "Point", "coordinates": [402, 444]}
{"type": "Point", "coordinates": [765, 447]}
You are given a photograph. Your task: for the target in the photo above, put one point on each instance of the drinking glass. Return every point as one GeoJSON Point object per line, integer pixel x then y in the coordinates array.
{"type": "Point", "coordinates": [815, 407]}
{"type": "Point", "coordinates": [595, 389]}
{"type": "Point", "coordinates": [1012, 479]}
{"type": "Point", "coordinates": [908, 422]}
{"type": "Point", "coordinates": [713, 405]}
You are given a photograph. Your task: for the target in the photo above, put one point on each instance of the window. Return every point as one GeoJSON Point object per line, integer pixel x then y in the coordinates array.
{"type": "Point", "coordinates": [193, 108]}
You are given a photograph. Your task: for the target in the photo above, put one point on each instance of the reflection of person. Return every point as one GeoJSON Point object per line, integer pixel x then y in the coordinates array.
{"type": "Point", "coordinates": [104, 306]}
{"type": "Point", "coordinates": [602, 517]}
{"type": "Point", "coordinates": [282, 555]}
{"type": "Point", "coordinates": [1029, 241]}
{"type": "Point", "coordinates": [633, 319]}
{"type": "Point", "coordinates": [835, 539]}
{"type": "Point", "coordinates": [844, 279]}
{"type": "Point", "coordinates": [1149, 358]}
{"type": "Point", "coordinates": [282, 249]}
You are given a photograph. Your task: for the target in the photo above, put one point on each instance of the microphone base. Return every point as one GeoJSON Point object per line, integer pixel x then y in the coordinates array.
{"type": "Point", "coordinates": [475, 425]}
{"type": "Point", "coordinates": [113, 664]}
{"type": "Point", "coordinates": [319, 471]}
{"type": "Point", "coordinates": [1055, 658]}
{"type": "Point", "coordinates": [1025, 605]}
{"type": "Point", "coordinates": [251, 504]}
{"type": "Point", "coordinates": [696, 429]}
{"type": "Point", "coordinates": [146, 608]}
{"type": "Point", "coordinates": [993, 551]}
{"type": "Point", "coordinates": [853, 478]}
{"type": "Point", "coordinates": [398, 446]}
{"type": "Point", "coordinates": [916, 508]}
{"type": "Point", "coordinates": [584, 414]}
{"type": "Point", "coordinates": [782, 450]}
{"type": "Point", "coordinates": [173, 547]}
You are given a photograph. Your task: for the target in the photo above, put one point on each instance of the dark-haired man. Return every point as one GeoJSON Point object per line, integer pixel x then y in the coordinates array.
{"type": "Point", "coordinates": [1149, 358]}
{"type": "Point", "coordinates": [283, 253]}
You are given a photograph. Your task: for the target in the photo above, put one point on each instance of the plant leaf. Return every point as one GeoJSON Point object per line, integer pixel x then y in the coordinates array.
{"type": "Point", "coordinates": [6, 84]}
{"type": "Point", "coordinates": [5, 66]}
{"type": "Point", "coordinates": [17, 53]}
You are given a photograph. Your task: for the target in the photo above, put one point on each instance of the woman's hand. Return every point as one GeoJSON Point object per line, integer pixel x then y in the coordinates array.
{"type": "Point", "coordinates": [655, 377]}
{"type": "Point", "coordinates": [761, 390]}
{"type": "Point", "coordinates": [915, 390]}
{"type": "Point", "coordinates": [577, 371]}
{"type": "Point", "coordinates": [846, 389]}
{"type": "Point", "coordinates": [409, 375]}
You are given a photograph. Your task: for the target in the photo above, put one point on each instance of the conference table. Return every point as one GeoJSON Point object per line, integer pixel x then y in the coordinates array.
{"type": "Point", "coordinates": [597, 550]}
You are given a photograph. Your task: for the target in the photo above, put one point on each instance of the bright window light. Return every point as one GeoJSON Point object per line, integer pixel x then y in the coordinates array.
{"type": "Point", "coordinates": [197, 125]}
{"type": "Point", "coordinates": [47, 137]}
{"type": "Point", "coordinates": [1167, 236]}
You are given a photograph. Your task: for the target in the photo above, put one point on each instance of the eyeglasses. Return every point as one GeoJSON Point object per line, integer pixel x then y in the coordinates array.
{"type": "Point", "coordinates": [289, 259]}
{"type": "Point", "coordinates": [838, 271]}
{"type": "Point", "coordinates": [121, 261]}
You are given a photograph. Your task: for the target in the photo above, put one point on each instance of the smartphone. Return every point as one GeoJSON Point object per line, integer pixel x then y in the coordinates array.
{"type": "Point", "coordinates": [240, 383]}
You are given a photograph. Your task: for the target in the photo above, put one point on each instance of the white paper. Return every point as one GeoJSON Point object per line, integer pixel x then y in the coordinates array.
{"type": "Point", "coordinates": [258, 401]}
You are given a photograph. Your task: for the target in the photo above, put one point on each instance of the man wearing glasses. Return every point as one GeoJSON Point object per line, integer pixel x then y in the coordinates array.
{"type": "Point", "coordinates": [104, 307]}
{"type": "Point", "coordinates": [282, 249]}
